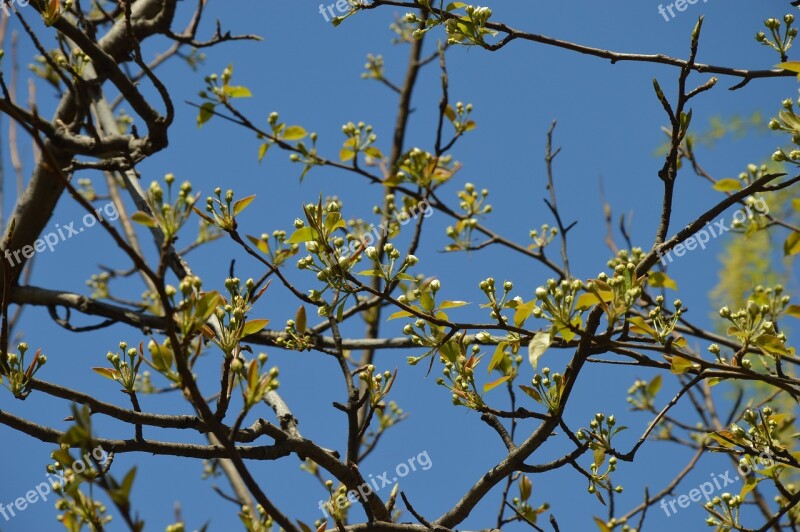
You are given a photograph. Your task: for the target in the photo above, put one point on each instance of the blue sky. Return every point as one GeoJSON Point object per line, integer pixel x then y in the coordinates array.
{"type": "Point", "coordinates": [609, 128]}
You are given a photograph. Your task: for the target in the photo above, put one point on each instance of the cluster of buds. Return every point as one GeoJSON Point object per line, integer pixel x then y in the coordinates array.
{"type": "Point", "coordinates": [422, 334]}
{"type": "Point", "coordinates": [546, 389]}
{"type": "Point", "coordinates": [625, 257]}
{"type": "Point", "coordinates": [423, 169]}
{"type": "Point", "coordinates": [389, 415]}
{"type": "Point", "coordinates": [86, 189]}
{"type": "Point", "coordinates": [521, 505]}
{"type": "Point", "coordinates": [373, 67]}
{"type": "Point", "coordinates": [487, 286]}
{"type": "Point", "coordinates": [234, 309]}
{"type": "Point", "coordinates": [763, 430]}
{"type": "Point", "coordinates": [469, 29]}
{"type": "Point", "coordinates": [255, 381]}
{"type": "Point", "coordinates": [17, 374]}
{"type": "Point", "coordinates": [623, 289]}
{"type": "Point", "coordinates": [165, 213]}
{"type": "Point", "coordinates": [542, 237]}
{"type": "Point", "coordinates": [755, 172]}
{"type": "Point", "coordinates": [724, 511]}
{"type": "Point", "coordinates": [473, 203]}
{"type": "Point", "coordinates": [360, 139]}
{"type": "Point", "coordinates": [395, 268]}
{"type": "Point", "coordinates": [557, 304]}
{"type": "Point", "coordinates": [279, 252]}
{"type": "Point", "coordinates": [223, 211]}
{"type": "Point", "coordinates": [378, 385]}
{"type": "Point", "coordinates": [601, 432]}
{"type": "Point", "coordinates": [459, 117]}
{"type": "Point", "coordinates": [294, 338]}
{"type": "Point", "coordinates": [755, 323]}
{"type": "Point", "coordinates": [642, 394]}
{"type": "Point", "coordinates": [99, 285]}
{"type": "Point", "coordinates": [126, 366]}
{"type": "Point", "coordinates": [256, 521]}
{"type": "Point", "coordinates": [777, 41]}
{"type": "Point", "coordinates": [787, 121]}
{"type": "Point", "coordinates": [459, 370]}
{"type": "Point", "coordinates": [663, 322]}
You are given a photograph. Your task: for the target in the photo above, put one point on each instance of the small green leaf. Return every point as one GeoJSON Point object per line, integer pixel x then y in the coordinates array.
{"type": "Point", "coordinates": [771, 344]}
{"type": "Point", "coordinates": [452, 304]}
{"type": "Point", "coordinates": [494, 384]}
{"type": "Point", "coordinates": [304, 234]}
{"type": "Point", "coordinates": [294, 133]}
{"type": "Point", "coordinates": [107, 373]}
{"type": "Point", "coordinates": [262, 245]}
{"type": "Point", "coordinates": [792, 245]}
{"type": "Point", "coordinates": [144, 219]}
{"type": "Point", "coordinates": [680, 365]}
{"type": "Point", "coordinates": [728, 185]}
{"type": "Point", "coordinates": [254, 326]}
{"type": "Point", "coordinates": [242, 204]}
{"type": "Point", "coordinates": [236, 91]}
{"type": "Point", "coordinates": [661, 280]}
{"type": "Point", "coordinates": [537, 346]}
{"type": "Point", "coordinates": [205, 113]}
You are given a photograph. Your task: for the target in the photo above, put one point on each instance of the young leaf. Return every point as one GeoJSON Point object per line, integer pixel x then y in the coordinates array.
{"type": "Point", "coordinates": [537, 346]}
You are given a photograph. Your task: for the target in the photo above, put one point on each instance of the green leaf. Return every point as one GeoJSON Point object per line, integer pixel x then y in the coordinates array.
{"type": "Point", "coordinates": [494, 384]}
{"type": "Point", "coordinates": [107, 373]}
{"type": "Point", "coordinates": [304, 234]}
{"type": "Point", "coordinates": [254, 326]}
{"type": "Point", "coordinates": [728, 185]}
{"type": "Point", "coordinates": [400, 314]}
{"type": "Point", "coordinates": [405, 277]}
{"type": "Point", "coordinates": [236, 91]}
{"type": "Point", "coordinates": [792, 245]}
{"type": "Point", "coordinates": [601, 525]}
{"type": "Point", "coordinates": [371, 273]}
{"type": "Point", "coordinates": [531, 392]}
{"type": "Point", "coordinates": [261, 245]}
{"type": "Point", "coordinates": [523, 312]}
{"type": "Point", "coordinates": [262, 150]}
{"type": "Point", "coordinates": [144, 219]}
{"type": "Point", "coordinates": [771, 344]}
{"type": "Point", "coordinates": [661, 280]}
{"type": "Point", "coordinates": [791, 66]}
{"type": "Point", "coordinates": [452, 304]}
{"type": "Point", "coordinates": [374, 152]}
{"type": "Point", "coordinates": [537, 346]}
{"type": "Point", "coordinates": [793, 310]}
{"type": "Point", "coordinates": [294, 133]}
{"type": "Point", "coordinates": [242, 204]}
{"type": "Point", "coordinates": [205, 113]}
{"type": "Point", "coordinates": [654, 386]}
{"type": "Point", "coordinates": [680, 365]}
{"type": "Point", "coordinates": [498, 357]}
{"type": "Point", "coordinates": [641, 326]}
{"type": "Point", "coordinates": [426, 301]}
